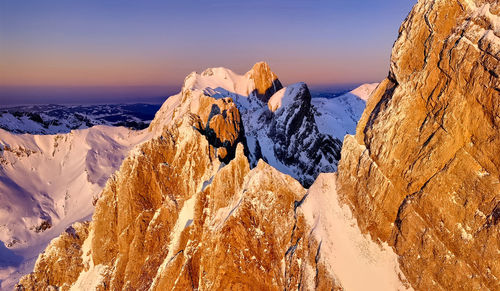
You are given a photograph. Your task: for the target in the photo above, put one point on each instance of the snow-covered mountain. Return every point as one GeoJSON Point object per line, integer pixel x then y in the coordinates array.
{"type": "Point", "coordinates": [282, 126]}
{"type": "Point", "coordinates": [176, 216]}
{"type": "Point", "coordinates": [339, 116]}
{"type": "Point", "coordinates": [47, 182]}
{"type": "Point", "coordinates": [54, 119]}
{"type": "Point", "coordinates": [415, 203]}
{"type": "Point", "coordinates": [53, 180]}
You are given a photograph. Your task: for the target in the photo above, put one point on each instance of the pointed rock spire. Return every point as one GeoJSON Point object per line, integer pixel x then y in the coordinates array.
{"type": "Point", "coordinates": [266, 81]}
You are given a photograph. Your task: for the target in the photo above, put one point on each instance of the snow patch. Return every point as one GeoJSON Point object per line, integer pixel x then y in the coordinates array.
{"type": "Point", "coordinates": [364, 91]}
{"type": "Point", "coordinates": [358, 262]}
{"type": "Point", "coordinates": [275, 101]}
{"type": "Point", "coordinates": [184, 220]}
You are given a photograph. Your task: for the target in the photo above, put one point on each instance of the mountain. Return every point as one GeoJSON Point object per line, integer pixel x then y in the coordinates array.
{"type": "Point", "coordinates": [414, 204]}
{"type": "Point", "coordinates": [83, 159]}
{"type": "Point", "coordinates": [422, 172]}
{"type": "Point", "coordinates": [178, 215]}
{"type": "Point", "coordinates": [47, 182]}
{"type": "Point", "coordinates": [339, 116]}
{"type": "Point", "coordinates": [54, 119]}
{"type": "Point", "coordinates": [279, 123]}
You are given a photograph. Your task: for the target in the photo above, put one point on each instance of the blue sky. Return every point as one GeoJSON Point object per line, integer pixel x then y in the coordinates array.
{"type": "Point", "coordinates": [67, 51]}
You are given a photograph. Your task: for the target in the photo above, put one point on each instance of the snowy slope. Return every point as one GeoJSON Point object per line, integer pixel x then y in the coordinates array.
{"type": "Point", "coordinates": [339, 116]}
{"type": "Point", "coordinates": [53, 119]}
{"type": "Point", "coordinates": [47, 182]}
{"type": "Point", "coordinates": [364, 91]}
{"type": "Point", "coordinates": [354, 258]}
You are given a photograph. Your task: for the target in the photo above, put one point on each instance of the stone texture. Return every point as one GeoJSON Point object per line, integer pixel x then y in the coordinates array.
{"type": "Point", "coordinates": [422, 172]}
{"type": "Point", "coordinates": [298, 144]}
{"type": "Point", "coordinates": [174, 217]}
{"type": "Point", "coordinates": [60, 264]}
{"type": "Point", "coordinates": [266, 81]}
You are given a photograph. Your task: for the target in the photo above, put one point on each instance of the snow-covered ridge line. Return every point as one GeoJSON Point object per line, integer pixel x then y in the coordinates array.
{"type": "Point", "coordinates": [54, 119]}
{"type": "Point", "coordinates": [48, 182]}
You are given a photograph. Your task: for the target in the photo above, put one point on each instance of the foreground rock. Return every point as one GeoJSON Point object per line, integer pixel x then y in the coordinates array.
{"type": "Point", "coordinates": [422, 172]}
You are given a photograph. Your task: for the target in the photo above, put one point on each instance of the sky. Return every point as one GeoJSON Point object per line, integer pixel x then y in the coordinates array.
{"type": "Point", "coordinates": [95, 51]}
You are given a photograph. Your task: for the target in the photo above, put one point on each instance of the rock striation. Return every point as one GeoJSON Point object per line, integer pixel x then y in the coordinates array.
{"type": "Point", "coordinates": [278, 123]}
{"type": "Point", "coordinates": [175, 218]}
{"type": "Point", "coordinates": [188, 211]}
{"type": "Point", "coordinates": [422, 171]}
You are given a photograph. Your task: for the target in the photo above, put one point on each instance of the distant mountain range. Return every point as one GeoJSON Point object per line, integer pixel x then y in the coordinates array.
{"type": "Point", "coordinates": [53, 119]}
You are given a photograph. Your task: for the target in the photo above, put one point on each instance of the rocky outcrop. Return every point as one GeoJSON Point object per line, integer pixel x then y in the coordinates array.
{"type": "Point", "coordinates": [422, 172]}
{"type": "Point", "coordinates": [174, 217]}
{"type": "Point", "coordinates": [266, 81]}
{"type": "Point", "coordinates": [285, 135]}
{"type": "Point", "coordinates": [298, 144]}
{"type": "Point", "coordinates": [61, 263]}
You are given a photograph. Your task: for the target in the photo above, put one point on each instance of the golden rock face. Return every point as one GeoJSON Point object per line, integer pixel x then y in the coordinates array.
{"type": "Point", "coordinates": [221, 124]}
{"type": "Point", "coordinates": [266, 82]}
{"type": "Point", "coordinates": [174, 217]}
{"type": "Point", "coordinates": [422, 172]}
{"type": "Point", "coordinates": [61, 264]}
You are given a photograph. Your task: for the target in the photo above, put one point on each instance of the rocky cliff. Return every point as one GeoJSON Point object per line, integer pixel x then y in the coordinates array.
{"type": "Point", "coordinates": [278, 123]}
{"type": "Point", "coordinates": [422, 171]}
{"type": "Point", "coordinates": [186, 211]}
{"type": "Point", "coordinates": [174, 217]}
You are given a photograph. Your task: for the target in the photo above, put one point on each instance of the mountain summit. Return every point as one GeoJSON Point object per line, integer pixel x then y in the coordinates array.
{"type": "Point", "coordinates": [278, 124]}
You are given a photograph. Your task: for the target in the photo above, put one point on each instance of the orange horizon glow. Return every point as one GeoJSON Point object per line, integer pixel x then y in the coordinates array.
{"type": "Point", "coordinates": [155, 43]}
{"type": "Point", "coordinates": [54, 71]}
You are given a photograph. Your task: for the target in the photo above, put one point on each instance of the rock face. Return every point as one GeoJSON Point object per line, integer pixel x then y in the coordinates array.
{"type": "Point", "coordinates": [422, 172]}
{"type": "Point", "coordinates": [278, 123]}
{"type": "Point", "coordinates": [266, 82]}
{"type": "Point", "coordinates": [298, 144]}
{"type": "Point", "coordinates": [186, 211]}
{"type": "Point", "coordinates": [62, 262]}
{"type": "Point", "coordinates": [174, 217]}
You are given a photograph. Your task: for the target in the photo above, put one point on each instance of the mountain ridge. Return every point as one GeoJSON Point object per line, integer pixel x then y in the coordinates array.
{"type": "Point", "coordinates": [223, 134]}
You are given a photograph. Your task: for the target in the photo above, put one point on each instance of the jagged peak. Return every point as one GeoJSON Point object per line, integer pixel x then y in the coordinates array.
{"type": "Point", "coordinates": [266, 82]}
{"type": "Point", "coordinates": [262, 69]}
{"type": "Point", "coordinates": [259, 81]}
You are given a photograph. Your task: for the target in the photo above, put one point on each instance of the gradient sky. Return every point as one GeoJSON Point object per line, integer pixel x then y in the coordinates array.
{"type": "Point", "coordinates": [98, 50]}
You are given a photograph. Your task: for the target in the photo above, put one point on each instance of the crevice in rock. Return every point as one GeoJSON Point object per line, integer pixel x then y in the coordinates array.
{"type": "Point", "coordinates": [428, 41]}
{"type": "Point", "coordinates": [381, 105]}
{"type": "Point", "coordinates": [316, 261]}
{"type": "Point", "coordinates": [416, 194]}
